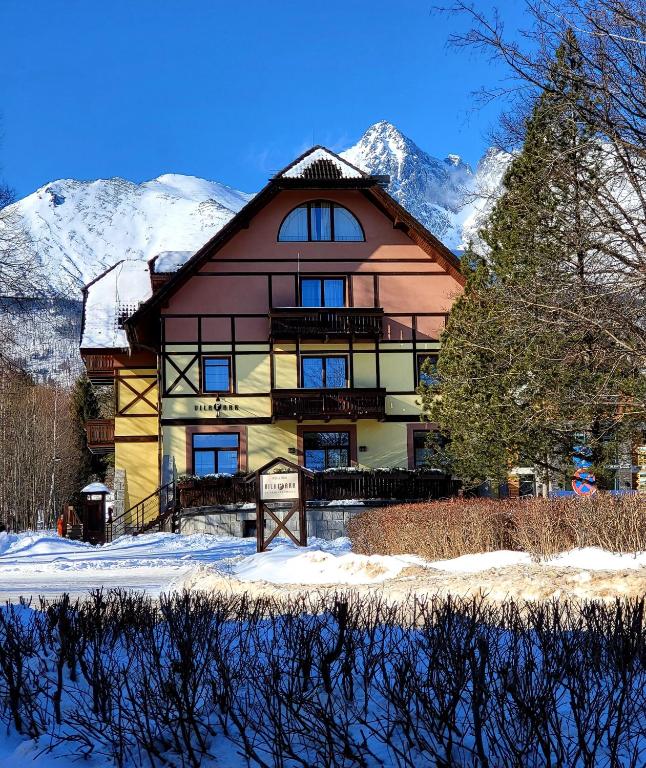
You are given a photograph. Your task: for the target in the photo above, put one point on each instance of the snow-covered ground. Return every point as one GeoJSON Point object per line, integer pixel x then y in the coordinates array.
{"type": "Point", "coordinates": [34, 564]}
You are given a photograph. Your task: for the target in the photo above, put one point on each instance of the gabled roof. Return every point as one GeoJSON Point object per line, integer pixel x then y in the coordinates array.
{"type": "Point", "coordinates": [322, 164]}
{"type": "Point", "coordinates": [306, 172]}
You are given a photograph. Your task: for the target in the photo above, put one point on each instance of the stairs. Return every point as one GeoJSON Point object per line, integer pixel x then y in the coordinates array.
{"type": "Point", "coordinates": [152, 513]}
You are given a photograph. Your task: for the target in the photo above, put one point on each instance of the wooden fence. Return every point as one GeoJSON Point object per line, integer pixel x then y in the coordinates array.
{"type": "Point", "coordinates": [324, 486]}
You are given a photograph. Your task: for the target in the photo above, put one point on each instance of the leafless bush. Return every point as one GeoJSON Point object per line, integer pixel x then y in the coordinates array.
{"type": "Point", "coordinates": [336, 681]}
{"type": "Point", "coordinates": [446, 529]}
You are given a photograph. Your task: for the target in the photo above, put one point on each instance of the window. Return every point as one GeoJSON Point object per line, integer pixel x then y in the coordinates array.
{"type": "Point", "coordinates": [421, 452]}
{"type": "Point", "coordinates": [216, 454]}
{"type": "Point", "coordinates": [324, 372]}
{"type": "Point", "coordinates": [320, 221]}
{"type": "Point", "coordinates": [325, 450]}
{"type": "Point", "coordinates": [216, 374]}
{"type": "Point", "coordinates": [322, 292]}
{"type": "Point", "coordinates": [426, 377]}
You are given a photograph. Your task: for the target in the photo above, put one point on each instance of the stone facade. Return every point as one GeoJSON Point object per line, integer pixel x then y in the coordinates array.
{"type": "Point", "coordinates": [324, 521]}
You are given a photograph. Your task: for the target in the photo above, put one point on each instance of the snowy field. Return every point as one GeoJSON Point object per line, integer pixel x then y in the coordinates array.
{"type": "Point", "coordinates": [35, 564]}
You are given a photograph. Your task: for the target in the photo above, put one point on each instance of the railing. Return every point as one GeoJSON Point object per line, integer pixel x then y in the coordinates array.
{"type": "Point", "coordinates": [204, 492]}
{"type": "Point", "coordinates": [328, 403]}
{"type": "Point", "coordinates": [324, 486]}
{"type": "Point", "coordinates": [327, 322]}
{"type": "Point", "coordinates": [100, 368]}
{"type": "Point", "coordinates": [151, 512]}
{"type": "Point", "coordinates": [100, 435]}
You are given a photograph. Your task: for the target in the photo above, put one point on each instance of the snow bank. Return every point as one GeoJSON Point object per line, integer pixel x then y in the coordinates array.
{"type": "Point", "coordinates": [502, 558]}
{"type": "Point", "coordinates": [286, 564]}
{"type": "Point", "coordinates": [597, 559]}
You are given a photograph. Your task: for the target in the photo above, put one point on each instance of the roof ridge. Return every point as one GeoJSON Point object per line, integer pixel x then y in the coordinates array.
{"type": "Point", "coordinates": [315, 154]}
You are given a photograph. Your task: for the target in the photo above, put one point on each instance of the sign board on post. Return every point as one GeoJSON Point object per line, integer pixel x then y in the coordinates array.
{"type": "Point", "coordinates": [280, 486]}
{"type": "Point", "coordinates": [279, 497]}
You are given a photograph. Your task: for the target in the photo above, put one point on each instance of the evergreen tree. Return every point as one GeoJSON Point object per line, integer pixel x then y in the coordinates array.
{"type": "Point", "coordinates": [84, 406]}
{"type": "Point", "coordinates": [524, 371]}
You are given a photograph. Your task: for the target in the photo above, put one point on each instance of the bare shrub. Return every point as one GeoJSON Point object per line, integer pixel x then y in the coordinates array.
{"type": "Point", "coordinates": [446, 529]}
{"type": "Point", "coordinates": [336, 681]}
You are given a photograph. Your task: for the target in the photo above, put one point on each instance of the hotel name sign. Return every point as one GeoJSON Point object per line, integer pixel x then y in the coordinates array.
{"type": "Point", "coordinates": [217, 407]}
{"type": "Point", "coordinates": [280, 486]}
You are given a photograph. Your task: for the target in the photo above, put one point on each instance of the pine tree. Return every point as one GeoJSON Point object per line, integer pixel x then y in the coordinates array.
{"type": "Point", "coordinates": [523, 371]}
{"type": "Point", "coordinates": [84, 406]}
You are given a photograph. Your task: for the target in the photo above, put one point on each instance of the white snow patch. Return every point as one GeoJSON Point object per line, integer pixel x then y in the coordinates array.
{"type": "Point", "coordinates": [597, 559]}
{"type": "Point", "coordinates": [318, 564]}
{"type": "Point", "coordinates": [502, 558]}
{"type": "Point", "coordinates": [170, 261]}
{"type": "Point", "coordinates": [120, 290]}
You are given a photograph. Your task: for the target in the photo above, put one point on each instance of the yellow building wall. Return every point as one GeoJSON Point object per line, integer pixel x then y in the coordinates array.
{"type": "Point", "coordinates": [253, 373]}
{"type": "Point", "coordinates": [286, 371]}
{"type": "Point", "coordinates": [141, 464]}
{"type": "Point", "coordinates": [365, 369]}
{"type": "Point", "coordinates": [386, 444]}
{"type": "Point", "coordinates": [136, 429]}
{"type": "Point", "coordinates": [397, 371]}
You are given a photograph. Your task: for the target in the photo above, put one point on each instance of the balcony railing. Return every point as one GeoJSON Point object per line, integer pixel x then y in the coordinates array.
{"type": "Point", "coordinates": [353, 404]}
{"type": "Point", "coordinates": [324, 486]}
{"type": "Point", "coordinates": [100, 368]}
{"type": "Point", "coordinates": [100, 435]}
{"type": "Point", "coordinates": [326, 322]}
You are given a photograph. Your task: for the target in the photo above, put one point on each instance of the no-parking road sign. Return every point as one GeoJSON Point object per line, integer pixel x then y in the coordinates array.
{"type": "Point", "coordinates": [584, 483]}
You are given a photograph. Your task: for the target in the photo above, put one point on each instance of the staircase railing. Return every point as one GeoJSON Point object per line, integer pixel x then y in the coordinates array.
{"type": "Point", "coordinates": [147, 514]}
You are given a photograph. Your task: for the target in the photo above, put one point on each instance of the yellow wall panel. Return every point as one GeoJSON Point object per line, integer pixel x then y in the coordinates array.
{"type": "Point", "coordinates": [129, 388]}
{"type": "Point", "coordinates": [365, 369]}
{"type": "Point", "coordinates": [286, 371]}
{"type": "Point", "coordinates": [135, 426]}
{"type": "Point", "coordinates": [326, 347]}
{"type": "Point", "coordinates": [266, 441]}
{"type": "Point", "coordinates": [143, 372]}
{"type": "Point", "coordinates": [203, 407]}
{"type": "Point", "coordinates": [140, 461]}
{"type": "Point", "coordinates": [253, 373]}
{"type": "Point", "coordinates": [397, 371]}
{"type": "Point", "coordinates": [192, 374]}
{"type": "Point", "coordinates": [386, 444]}
{"type": "Point", "coordinates": [403, 405]}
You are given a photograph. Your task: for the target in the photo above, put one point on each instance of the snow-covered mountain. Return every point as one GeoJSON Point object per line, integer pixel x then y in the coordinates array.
{"type": "Point", "coordinates": [447, 196]}
{"type": "Point", "coordinates": [79, 228]}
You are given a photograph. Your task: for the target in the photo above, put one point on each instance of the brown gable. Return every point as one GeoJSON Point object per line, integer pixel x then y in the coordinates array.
{"type": "Point", "coordinates": [139, 325]}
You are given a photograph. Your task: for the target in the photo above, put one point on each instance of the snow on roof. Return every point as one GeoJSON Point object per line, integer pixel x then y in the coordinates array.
{"type": "Point", "coordinates": [112, 297]}
{"type": "Point", "coordinates": [170, 261]}
{"type": "Point", "coordinates": [318, 155]}
{"type": "Point", "coordinates": [95, 488]}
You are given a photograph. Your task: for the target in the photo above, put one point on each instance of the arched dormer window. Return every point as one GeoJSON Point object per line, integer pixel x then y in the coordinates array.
{"type": "Point", "coordinates": [319, 221]}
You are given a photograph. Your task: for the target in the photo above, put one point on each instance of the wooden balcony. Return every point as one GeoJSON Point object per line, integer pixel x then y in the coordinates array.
{"type": "Point", "coordinates": [100, 368]}
{"type": "Point", "coordinates": [326, 322]}
{"type": "Point", "coordinates": [399, 485]}
{"type": "Point", "coordinates": [100, 435]}
{"type": "Point", "coordinates": [328, 404]}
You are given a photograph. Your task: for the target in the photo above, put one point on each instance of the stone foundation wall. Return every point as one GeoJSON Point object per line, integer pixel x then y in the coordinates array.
{"type": "Point", "coordinates": [323, 521]}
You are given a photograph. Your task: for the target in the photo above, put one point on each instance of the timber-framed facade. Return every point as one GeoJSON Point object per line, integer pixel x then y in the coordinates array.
{"type": "Point", "coordinates": [299, 329]}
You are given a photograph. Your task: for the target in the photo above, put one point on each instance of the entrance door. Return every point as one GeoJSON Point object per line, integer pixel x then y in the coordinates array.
{"type": "Point", "coordinates": [94, 523]}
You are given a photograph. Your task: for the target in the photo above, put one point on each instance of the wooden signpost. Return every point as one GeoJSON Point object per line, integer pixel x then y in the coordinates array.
{"type": "Point", "coordinates": [280, 496]}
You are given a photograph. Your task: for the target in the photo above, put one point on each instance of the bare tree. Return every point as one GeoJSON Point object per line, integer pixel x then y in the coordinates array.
{"type": "Point", "coordinates": [612, 41]}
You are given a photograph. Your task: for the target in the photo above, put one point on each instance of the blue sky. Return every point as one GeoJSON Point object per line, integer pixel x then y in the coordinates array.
{"type": "Point", "coordinates": [226, 89]}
